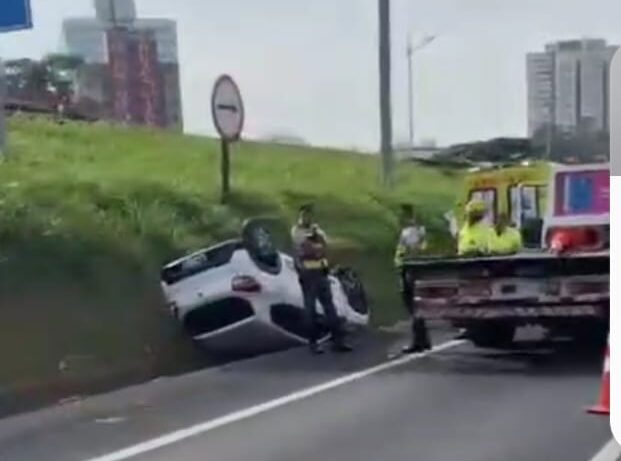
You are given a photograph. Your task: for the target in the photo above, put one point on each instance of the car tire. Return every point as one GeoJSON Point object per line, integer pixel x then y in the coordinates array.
{"type": "Point", "coordinates": [353, 288]}
{"type": "Point", "coordinates": [270, 263]}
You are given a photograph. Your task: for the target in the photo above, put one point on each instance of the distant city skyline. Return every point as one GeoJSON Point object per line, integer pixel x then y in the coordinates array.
{"type": "Point", "coordinates": [568, 85]}
{"type": "Point", "coordinates": [310, 68]}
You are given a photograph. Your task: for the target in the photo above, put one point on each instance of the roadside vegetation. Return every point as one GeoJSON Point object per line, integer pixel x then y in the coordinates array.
{"type": "Point", "coordinates": [90, 212]}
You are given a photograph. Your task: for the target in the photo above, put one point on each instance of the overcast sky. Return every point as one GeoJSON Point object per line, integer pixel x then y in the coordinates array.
{"type": "Point", "coordinates": [309, 68]}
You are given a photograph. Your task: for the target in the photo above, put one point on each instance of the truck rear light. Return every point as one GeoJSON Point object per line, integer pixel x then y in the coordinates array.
{"type": "Point", "coordinates": [587, 288]}
{"type": "Point", "coordinates": [561, 239]}
{"type": "Point", "coordinates": [245, 284]}
{"type": "Point", "coordinates": [433, 292]}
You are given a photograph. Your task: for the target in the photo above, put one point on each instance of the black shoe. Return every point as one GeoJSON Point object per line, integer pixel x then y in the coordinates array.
{"type": "Point", "coordinates": [315, 349]}
{"type": "Point", "coordinates": [342, 347]}
{"type": "Point", "coordinates": [413, 349]}
{"type": "Point", "coordinates": [463, 334]}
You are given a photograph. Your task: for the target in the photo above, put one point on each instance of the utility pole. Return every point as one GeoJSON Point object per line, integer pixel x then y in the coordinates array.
{"type": "Point", "coordinates": [410, 53]}
{"type": "Point", "coordinates": [385, 93]}
{"type": "Point", "coordinates": [550, 131]}
{"type": "Point", "coordinates": [3, 97]}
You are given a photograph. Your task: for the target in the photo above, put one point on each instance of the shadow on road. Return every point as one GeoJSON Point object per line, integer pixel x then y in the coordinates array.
{"type": "Point", "coordinates": [528, 359]}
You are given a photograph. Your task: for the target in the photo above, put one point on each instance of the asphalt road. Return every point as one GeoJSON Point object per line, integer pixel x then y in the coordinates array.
{"type": "Point", "coordinates": [458, 403]}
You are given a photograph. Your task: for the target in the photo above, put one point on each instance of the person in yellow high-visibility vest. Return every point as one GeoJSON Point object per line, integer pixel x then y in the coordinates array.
{"type": "Point", "coordinates": [508, 239]}
{"type": "Point", "coordinates": [476, 237]}
{"type": "Point", "coordinates": [310, 245]}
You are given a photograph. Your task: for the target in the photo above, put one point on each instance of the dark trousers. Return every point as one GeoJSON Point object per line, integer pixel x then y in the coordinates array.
{"type": "Point", "coordinates": [316, 287]}
{"type": "Point", "coordinates": [420, 334]}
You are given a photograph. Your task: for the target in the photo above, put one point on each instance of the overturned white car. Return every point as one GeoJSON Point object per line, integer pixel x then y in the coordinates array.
{"type": "Point", "coordinates": [244, 297]}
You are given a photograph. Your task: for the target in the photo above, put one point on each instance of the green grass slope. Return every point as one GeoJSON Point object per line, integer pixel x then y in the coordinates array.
{"type": "Point", "coordinates": [88, 213]}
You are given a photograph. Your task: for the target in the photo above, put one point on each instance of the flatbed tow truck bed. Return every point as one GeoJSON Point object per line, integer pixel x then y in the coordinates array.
{"type": "Point", "coordinates": [492, 296]}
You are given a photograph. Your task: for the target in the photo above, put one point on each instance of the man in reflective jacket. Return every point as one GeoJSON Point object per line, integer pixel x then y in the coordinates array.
{"type": "Point", "coordinates": [475, 237]}
{"type": "Point", "coordinates": [508, 239]}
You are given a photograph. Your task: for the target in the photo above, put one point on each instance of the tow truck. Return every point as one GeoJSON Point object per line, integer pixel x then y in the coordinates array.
{"type": "Point", "coordinates": [559, 281]}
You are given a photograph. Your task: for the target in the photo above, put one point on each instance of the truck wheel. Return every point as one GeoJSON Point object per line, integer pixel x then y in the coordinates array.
{"type": "Point", "coordinates": [593, 338]}
{"type": "Point", "coordinates": [492, 335]}
{"type": "Point", "coordinates": [589, 334]}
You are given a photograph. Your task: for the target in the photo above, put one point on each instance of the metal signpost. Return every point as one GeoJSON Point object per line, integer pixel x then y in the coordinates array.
{"type": "Point", "coordinates": [14, 15]}
{"type": "Point", "coordinates": [227, 110]}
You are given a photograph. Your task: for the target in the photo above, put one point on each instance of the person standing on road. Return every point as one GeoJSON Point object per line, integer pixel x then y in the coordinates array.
{"type": "Point", "coordinates": [310, 245]}
{"type": "Point", "coordinates": [411, 242]}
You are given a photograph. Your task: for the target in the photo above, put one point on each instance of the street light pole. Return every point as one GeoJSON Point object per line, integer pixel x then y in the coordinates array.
{"type": "Point", "coordinates": [410, 54]}
{"type": "Point", "coordinates": [385, 92]}
{"type": "Point", "coordinates": [549, 131]}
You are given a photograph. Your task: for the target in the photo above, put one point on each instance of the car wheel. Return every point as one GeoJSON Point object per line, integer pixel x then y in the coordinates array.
{"type": "Point", "coordinates": [353, 289]}
{"type": "Point", "coordinates": [261, 248]}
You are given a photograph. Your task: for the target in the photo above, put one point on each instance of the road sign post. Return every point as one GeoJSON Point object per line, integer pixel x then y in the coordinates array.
{"type": "Point", "coordinates": [14, 15]}
{"type": "Point", "coordinates": [227, 110]}
{"type": "Point", "coordinates": [225, 169]}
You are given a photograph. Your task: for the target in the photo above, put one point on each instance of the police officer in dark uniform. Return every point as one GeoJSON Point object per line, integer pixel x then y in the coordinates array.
{"type": "Point", "coordinates": [310, 245]}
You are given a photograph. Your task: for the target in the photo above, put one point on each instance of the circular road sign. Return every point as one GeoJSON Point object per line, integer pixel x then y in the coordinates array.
{"type": "Point", "coordinates": [227, 108]}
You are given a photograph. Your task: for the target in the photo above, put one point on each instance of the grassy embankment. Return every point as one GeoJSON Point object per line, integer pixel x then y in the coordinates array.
{"type": "Point", "coordinates": [88, 213]}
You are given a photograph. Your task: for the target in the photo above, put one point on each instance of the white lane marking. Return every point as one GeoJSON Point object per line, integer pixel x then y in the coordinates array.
{"type": "Point", "coordinates": [201, 428]}
{"type": "Point", "coordinates": [111, 420]}
{"type": "Point", "coordinates": [610, 452]}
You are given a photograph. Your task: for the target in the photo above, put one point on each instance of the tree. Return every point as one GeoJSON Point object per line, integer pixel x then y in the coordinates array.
{"type": "Point", "coordinates": [61, 70]}
{"type": "Point", "coordinates": [585, 143]}
{"type": "Point", "coordinates": [494, 151]}
{"type": "Point", "coordinates": [44, 82]}
{"type": "Point", "coordinates": [26, 80]}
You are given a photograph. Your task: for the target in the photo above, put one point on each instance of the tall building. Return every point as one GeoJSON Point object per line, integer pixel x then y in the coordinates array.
{"type": "Point", "coordinates": [137, 88]}
{"type": "Point", "coordinates": [117, 24]}
{"type": "Point", "coordinates": [568, 85]}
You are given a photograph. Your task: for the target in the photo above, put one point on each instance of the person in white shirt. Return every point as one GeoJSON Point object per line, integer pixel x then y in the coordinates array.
{"type": "Point", "coordinates": [412, 241]}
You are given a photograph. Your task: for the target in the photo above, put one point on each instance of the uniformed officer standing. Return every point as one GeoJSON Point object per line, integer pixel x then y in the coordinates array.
{"type": "Point", "coordinates": [411, 242]}
{"type": "Point", "coordinates": [310, 245]}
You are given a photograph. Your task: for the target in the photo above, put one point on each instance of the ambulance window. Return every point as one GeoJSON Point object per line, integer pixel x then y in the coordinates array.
{"type": "Point", "coordinates": [530, 203]}
{"type": "Point", "coordinates": [487, 196]}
